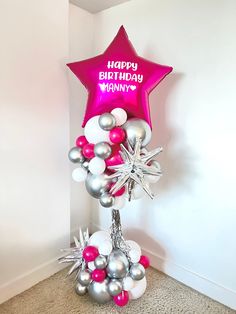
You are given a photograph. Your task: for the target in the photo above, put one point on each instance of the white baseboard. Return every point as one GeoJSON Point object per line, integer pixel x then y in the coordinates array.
{"type": "Point", "coordinates": [205, 286]}
{"type": "Point", "coordinates": [29, 279]}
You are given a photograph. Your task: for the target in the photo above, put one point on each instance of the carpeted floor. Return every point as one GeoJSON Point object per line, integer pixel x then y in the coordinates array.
{"type": "Point", "coordinates": [56, 295]}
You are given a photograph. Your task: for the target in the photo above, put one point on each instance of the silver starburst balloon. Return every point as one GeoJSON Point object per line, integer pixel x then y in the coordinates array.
{"type": "Point", "coordinates": [75, 253]}
{"type": "Point", "coordinates": [135, 168]}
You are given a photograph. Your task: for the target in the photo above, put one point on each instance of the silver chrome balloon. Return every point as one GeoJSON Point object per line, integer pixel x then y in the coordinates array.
{"type": "Point", "coordinates": [118, 264]}
{"type": "Point", "coordinates": [107, 121]}
{"type": "Point", "coordinates": [99, 291]}
{"type": "Point", "coordinates": [102, 150]}
{"type": "Point", "coordinates": [115, 287]}
{"type": "Point", "coordinates": [137, 129]}
{"type": "Point", "coordinates": [107, 200]}
{"type": "Point", "coordinates": [100, 262]}
{"type": "Point", "coordinates": [80, 289]}
{"type": "Point", "coordinates": [75, 155]}
{"type": "Point", "coordinates": [137, 271]}
{"type": "Point", "coordinates": [84, 277]}
{"type": "Point", "coordinates": [97, 185]}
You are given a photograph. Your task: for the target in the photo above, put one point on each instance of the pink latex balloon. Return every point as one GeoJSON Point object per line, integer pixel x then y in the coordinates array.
{"type": "Point", "coordinates": [98, 275]}
{"type": "Point", "coordinates": [121, 299]}
{"type": "Point", "coordinates": [90, 253]}
{"type": "Point", "coordinates": [81, 141]}
{"type": "Point", "coordinates": [119, 78]}
{"type": "Point", "coordinates": [115, 158]}
{"type": "Point", "coordinates": [117, 135]}
{"type": "Point", "coordinates": [145, 261]}
{"type": "Point", "coordinates": [88, 151]}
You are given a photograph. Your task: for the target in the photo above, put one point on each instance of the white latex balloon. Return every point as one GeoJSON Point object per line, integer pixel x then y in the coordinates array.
{"type": "Point", "coordinates": [128, 283]}
{"type": "Point", "coordinates": [134, 255]}
{"type": "Point", "coordinates": [105, 247]}
{"type": "Point", "coordinates": [79, 174]}
{"type": "Point", "coordinates": [99, 237]}
{"type": "Point", "coordinates": [119, 202]}
{"type": "Point", "coordinates": [97, 166]}
{"type": "Point", "coordinates": [91, 265]}
{"type": "Point", "coordinates": [120, 115]}
{"type": "Point", "coordinates": [139, 288]}
{"type": "Point", "coordinates": [93, 133]}
{"type": "Point", "coordinates": [138, 192]}
{"type": "Point", "coordinates": [134, 246]}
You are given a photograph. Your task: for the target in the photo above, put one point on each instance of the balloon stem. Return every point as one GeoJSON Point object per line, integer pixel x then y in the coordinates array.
{"type": "Point", "coordinates": [118, 241]}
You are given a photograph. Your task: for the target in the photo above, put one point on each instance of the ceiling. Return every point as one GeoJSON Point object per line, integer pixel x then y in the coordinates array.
{"type": "Point", "coordinates": [95, 6]}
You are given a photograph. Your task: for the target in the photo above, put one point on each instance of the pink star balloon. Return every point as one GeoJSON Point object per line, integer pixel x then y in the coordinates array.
{"type": "Point", "coordinates": [119, 78]}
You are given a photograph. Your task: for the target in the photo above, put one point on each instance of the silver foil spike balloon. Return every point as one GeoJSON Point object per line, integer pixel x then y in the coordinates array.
{"type": "Point", "coordinates": [102, 150]}
{"type": "Point", "coordinates": [80, 289]}
{"type": "Point", "coordinates": [107, 121]}
{"type": "Point", "coordinates": [97, 185]}
{"type": "Point", "coordinates": [99, 291]}
{"type": "Point", "coordinates": [137, 128]}
{"type": "Point", "coordinates": [115, 287]}
{"type": "Point", "coordinates": [75, 253]}
{"type": "Point", "coordinates": [117, 265]}
{"type": "Point", "coordinates": [107, 200]}
{"type": "Point", "coordinates": [134, 169]}
{"type": "Point", "coordinates": [75, 155]}
{"type": "Point", "coordinates": [137, 271]}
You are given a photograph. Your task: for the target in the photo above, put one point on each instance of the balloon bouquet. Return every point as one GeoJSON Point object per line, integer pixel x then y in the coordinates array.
{"type": "Point", "coordinates": [115, 165]}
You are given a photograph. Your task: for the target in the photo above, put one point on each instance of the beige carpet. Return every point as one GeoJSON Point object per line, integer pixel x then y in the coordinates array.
{"type": "Point", "coordinates": [56, 295]}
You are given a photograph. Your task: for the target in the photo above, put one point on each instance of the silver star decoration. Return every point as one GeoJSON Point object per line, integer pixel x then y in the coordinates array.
{"type": "Point", "coordinates": [135, 168]}
{"type": "Point", "coordinates": [75, 253]}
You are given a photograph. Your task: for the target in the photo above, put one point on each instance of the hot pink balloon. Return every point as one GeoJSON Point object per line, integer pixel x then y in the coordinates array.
{"type": "Point", "coordinates": [119, 78]}
{"type": "Point", "coordinates": [88, 151]}
{"type": "Point", "coordinates": [117, 135]}
{"type": "Point", "coordinates": [145, 261]}
{"type": "Point", "coordinates": [81, 141]}
{"type": "Point", "coordinates": [98, 275]}
{"type": "Point", "coordinates": [121, 299]}
{"type": "Point", "coordinates": [115, 158]}
{"type": "Point", "coordinates": [90, 253]}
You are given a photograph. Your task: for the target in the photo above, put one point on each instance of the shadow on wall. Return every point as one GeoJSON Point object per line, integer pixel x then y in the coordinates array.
{"type": "Point", "coordinates": [140, 236]}
{"type": "Point", "coordinates": [176, 159]}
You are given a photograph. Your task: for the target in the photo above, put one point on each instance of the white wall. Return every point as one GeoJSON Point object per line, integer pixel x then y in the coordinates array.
{"type": "Point", "coordinates": [80, 47]}
{"type": "Point", "coordinates": [34, 140]}
{"type": "Point", "coordinates": [189, 229]}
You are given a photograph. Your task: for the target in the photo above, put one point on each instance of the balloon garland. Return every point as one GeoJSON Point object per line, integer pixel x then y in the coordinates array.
{"type": "Point", "coordinates": [116, 167]}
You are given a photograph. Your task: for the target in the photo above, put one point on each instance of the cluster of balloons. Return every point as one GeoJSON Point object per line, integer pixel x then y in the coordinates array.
{"type": "Point", "coordinates": [111, 274]}
{"type": "Point", "coordinates": [99, 148]}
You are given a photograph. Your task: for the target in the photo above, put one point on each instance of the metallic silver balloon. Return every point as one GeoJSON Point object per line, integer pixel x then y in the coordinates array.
{"type": "Point", "coordinates": [80, 289]}
{"type": "Point", "coordinates": [100, 262]}
{"type": "Point", "coordinates": [137, 271]}
{"type": "Point", "coordinates": [102, 150]}
{"type": "Point", "coordinates": [107, 121]}
{"type": "Point", "coordinates": [99, 291]}
{"type": "Point", "coordinates": [85, 165]}
{"type": "Point", "coordinates": [118, 264]}
{"type": "Point", "coordinates": [75, 155]}
{"type": "Point", "coordinates": [107, 200]}
{"type": "Point", "coordinates": [84, 277]}
{"type": "Point", "coordinates": [137, 128]}
{"type": "Point", "coordinates": [97, 185]}
{"type": "Point", "coordinates": [115, 287]}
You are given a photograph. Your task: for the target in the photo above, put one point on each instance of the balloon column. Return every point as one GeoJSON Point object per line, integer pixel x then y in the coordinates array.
{"type": "Point", "coordinates": [115, 165]}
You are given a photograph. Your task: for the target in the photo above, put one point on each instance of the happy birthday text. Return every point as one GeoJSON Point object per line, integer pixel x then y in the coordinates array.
{"type": "Point", "coordinates": [120, 76]}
